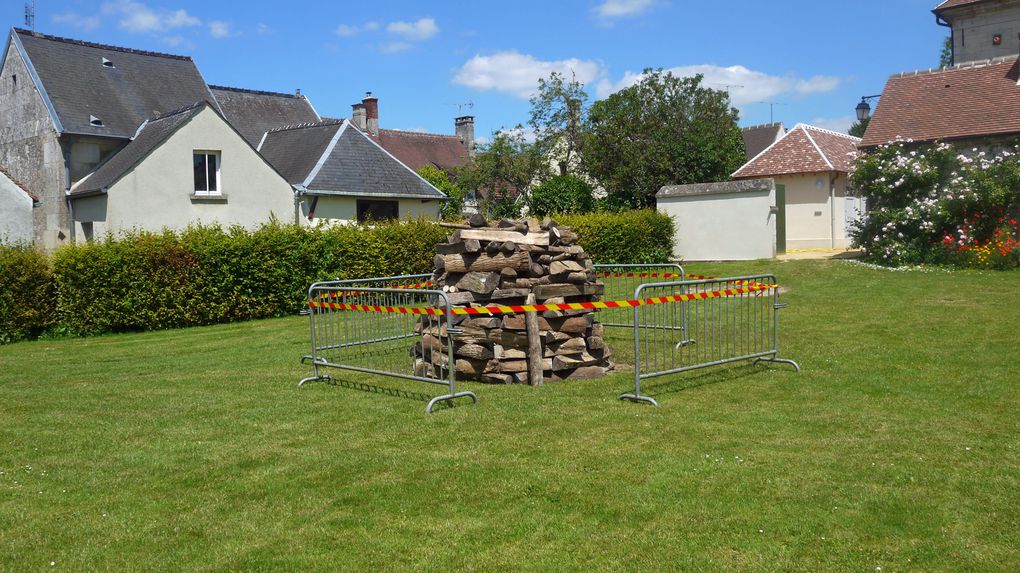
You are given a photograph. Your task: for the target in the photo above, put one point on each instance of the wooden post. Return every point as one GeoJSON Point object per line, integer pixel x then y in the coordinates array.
{"type": "Point", "coordinates": [534, 345]}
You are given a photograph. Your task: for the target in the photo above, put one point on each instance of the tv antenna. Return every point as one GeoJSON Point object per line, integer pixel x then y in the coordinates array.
{"type": "Point", "coordinates": [772, 105]}
{"type": "Point", "coordinates": [30, 15]}
{"type": "Point", "coordinates": [725, 87]}
{"type": "Point", "coordinates": [469, 105]}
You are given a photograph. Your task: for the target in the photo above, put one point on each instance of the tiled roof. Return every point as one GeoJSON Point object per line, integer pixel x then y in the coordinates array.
{"type": "Point", "coordinates": [149, 137]}
{"type": "Point", "coordinates": [253, 113]}
{"type": "Point", "coordinates": [138, 85]}
{"type": "Point", "coordinates": [973, 100]}
{"type": "Point", "coordinates": [419, 149]}
{"type": "Point", "coordinates": [334, 158]}
{"type": "Point", "coordinates": [804, 149]}
{"type": "Point", "coordinates": [18, 184]}
{"type": "Point", "coordinates": [950, 4]}
{"type": "Point", "coordinates": [757, 138]}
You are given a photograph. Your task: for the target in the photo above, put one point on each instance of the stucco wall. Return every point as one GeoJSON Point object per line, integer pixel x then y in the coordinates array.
{"type": "Point", "coordinates": [15, 213]}
{"type": "Point", "coordinates": [330, 210]}
{"type": "Point", "coordinates": [730, 221]}
{"type": "Point", "coordinates": [158, 192]}
{"type": "Point", "coordinates": [30, 150]}
{"type": "Point", "coordinates": [809, 211]}
{"type": "Point", "coordinates": [974, 28]}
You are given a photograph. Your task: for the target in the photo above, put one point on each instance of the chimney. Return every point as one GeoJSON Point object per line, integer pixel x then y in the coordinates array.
{"type": "Point", "coordinates": [358, 117]}
{"type": "Point", "coordinates": [464, 127]}
{"type": "Point", "coordinates": [371, 104]}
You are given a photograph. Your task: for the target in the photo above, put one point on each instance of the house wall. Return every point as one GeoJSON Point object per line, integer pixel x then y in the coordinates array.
{"type": "Point", "coordinates": [31, 151]}
{"type": "Point", "coordinates": [974, 28]}
{"type": "Point", "coordinates": [15, 213]}
{"type": "Point", "coordinates": [331, 210]}
{"type": "Point", "coordinates": [809, 211]}
{"type": "Point", "coordinates": [159, 192]}
{"type": "Point", "coordinates": [730, 221]}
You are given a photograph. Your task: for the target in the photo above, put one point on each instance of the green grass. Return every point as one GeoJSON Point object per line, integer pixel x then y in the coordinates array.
{"type": "Point", "coordinates": [897, 447]}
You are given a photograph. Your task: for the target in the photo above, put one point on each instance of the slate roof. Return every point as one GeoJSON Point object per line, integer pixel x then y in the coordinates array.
{"type": "Point", "coordinates": [804, 149]}
{"type": "Point", "coordinates": [972, 100]}
{"type": "Point", "coordinates": [334, 158]}
{"type": "Point", "coordinates": [253, 113]}
{"type": "Point", "coordinates": [758, 137]}
{"type": "Point", "coordinates": [139, 85]}
{"type": "Point", "coordinates": [150, 136]}
{"type": "Point", "coordinates": [19, 184]}
{"type": "Point", "coordinates": [419, 149]}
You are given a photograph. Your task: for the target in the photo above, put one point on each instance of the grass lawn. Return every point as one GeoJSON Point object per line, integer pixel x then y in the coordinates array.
{"type": "Point", "coordinates": [897, 448]}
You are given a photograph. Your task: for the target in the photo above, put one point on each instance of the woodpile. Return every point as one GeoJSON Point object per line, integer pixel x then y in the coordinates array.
{"type": "Point", "coordinates": [516, 263]}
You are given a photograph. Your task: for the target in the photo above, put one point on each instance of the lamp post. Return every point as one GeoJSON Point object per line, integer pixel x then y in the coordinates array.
{"type": "Point", "coordinates": [864, 108]}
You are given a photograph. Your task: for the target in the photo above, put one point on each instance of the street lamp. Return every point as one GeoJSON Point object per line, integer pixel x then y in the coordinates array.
{"type": "Point", "coordinates": [864, 108]}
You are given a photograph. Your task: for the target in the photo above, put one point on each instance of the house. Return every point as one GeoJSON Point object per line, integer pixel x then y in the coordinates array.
{"type": "Point", "coordinates": [342, 174]}
{"type": "Point", "coordinates": [758, 137]}
{"type": "Point", "coordinates": [186, 166]}
{"type": "Point", "coordinates": [16, 206]}
{"type": "Point", "coordinates": [254, 112]}
{"type": "Point", "coordinates": [981, 29]}
{"type": "Point", "coordinates": [811, 169]}
{"type": "Point", "coordinates": [67, 105]}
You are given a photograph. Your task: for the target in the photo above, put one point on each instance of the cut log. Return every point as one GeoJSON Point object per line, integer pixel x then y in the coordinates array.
{"type": "Point", "coordinates": [573, 325]}
{"type": "Point", "coordinates": [475, 351]}
{"type": "Point", "coordinates": [540, 239]}
{"type": "Point", "coordinates": [479, 283]}
{"type": "Point", "coordinates": [506, 224]}
{"type": "Point", "coordinates": [460, 247]}
{"type": "Point", "coordinates": [477, 220]}
{"type": "Point", "coordinates": [502, 294]}
{"type": "Point", "coordinates": [508, 274]}
{"type": "Point", "coordinates": [571, 362]}
{"type": "Point", "coordinates": [453, 225]}
{"type": "Point", "coordinates": [582, 373]}
{"type": "Point", "coordinates": [536, 270]}
{"type": "Point", "coordinates": [495, 378]}
{"type": "Point", "coordinates": [508, 247]}
{"type": "Point", "coordinates": [492, 248]}
{"type": "Point", "coordinates": [519, 322]}
{"type": "Point", "coordinates": [492, 262]}
{"type": "Point", "coordinates": [474, 368]}
{"type": "Point", "coordinates": [482, 322]}
{"type": "Point", "coordinates": [534, 345]}
{"type": "Point", "coordinates": [578, 278]}
{"type": "Point", "coordinates": [544, 292]}
{"type": "Point", "coordinates": [562, 267]}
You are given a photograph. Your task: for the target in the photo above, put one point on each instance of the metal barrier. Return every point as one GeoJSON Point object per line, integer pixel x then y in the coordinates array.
{"type": "Point", "coordinates": [708, 327]}
{"type": "Point", "coordinates": [389, 344]}
{"type": "Point", "coordinates": [621, 282]}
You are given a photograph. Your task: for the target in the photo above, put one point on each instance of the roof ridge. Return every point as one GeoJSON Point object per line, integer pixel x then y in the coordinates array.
{"type": "Point", "coordinates": [307, 124]}
{"type": "Point", "coordinates": [761, 125]}
{"type": "Point", "coordinates": [814, 143]}
{"type": "Point", "coordinates": [420, 133]}
{"type": "Point", "coordinates": [828, 131]}
{"type": "Point", "coordinates": [180, 110]}
{"type": "Point", "coordinates": [964, 66]}
{"type": "Point", "coordinates": [255, 92]}
{"type": "Point", "coordinates": [101, 46]}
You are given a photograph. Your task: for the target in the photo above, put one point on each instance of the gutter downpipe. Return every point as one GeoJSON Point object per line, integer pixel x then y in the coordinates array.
{"type": "Point", "coordinates": [832, 208]}
{"type": "Point", "coordinates": [952, 38]}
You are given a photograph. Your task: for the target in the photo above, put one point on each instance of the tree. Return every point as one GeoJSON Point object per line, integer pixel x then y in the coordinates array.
{"type": "Point", "coordinates": [557, 117]}
{"type": "Point", "coordinates": [664, 130]}
{"type": "Point", "coordinates": [859, 127]}
{"type": "Point", "coordinates": [562, 194]}
{"type": "Point", "coordinates": [946, 57]}
{"type": "Point", "coordinates": [503, 171]}
{"type": "Point", "coordinates": [441, 180]}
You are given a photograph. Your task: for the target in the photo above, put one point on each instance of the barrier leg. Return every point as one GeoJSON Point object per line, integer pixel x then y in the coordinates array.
{"type": "Point", "coordinates": [777, 360]}
{"type": "Point", "coordinates": [450, 397]}
{"type": "Point", "coordinates": [636, 396]}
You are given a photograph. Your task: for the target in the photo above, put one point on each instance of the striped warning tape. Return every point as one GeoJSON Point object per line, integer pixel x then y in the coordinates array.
{"type": "Point", "coordinates": [490, 310]}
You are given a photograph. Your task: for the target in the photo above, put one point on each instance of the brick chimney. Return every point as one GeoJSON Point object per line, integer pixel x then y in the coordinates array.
{"type": "Point", "coordinates": [371, 104]}
{"type": "Point", "coordinates": [464, 127]}
{"type": "Point", "coordinates": [358, 116]}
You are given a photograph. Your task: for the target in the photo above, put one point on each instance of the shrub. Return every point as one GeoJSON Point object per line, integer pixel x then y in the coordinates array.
{"type": "Point", "coordinates": [629, 237]}
{"type": "Point", "coordinates": [933, 204]}
{"type": "Point", "coordinates": [27, 304]}
{"type": "Point", "coordinates": [562, 194]}
{"type": "Point", "coordinates": [441, 180]}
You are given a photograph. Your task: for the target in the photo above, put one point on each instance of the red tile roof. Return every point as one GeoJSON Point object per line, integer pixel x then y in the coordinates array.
{"type": "Point", "coordinates": [19, 184]}
{"type": "Point", "coordinates": [950, 4]}
{"type": "Point", "coordinates": [804, 149]}
{"type": "Point", "coordinates": [419, 149]}
{"type": "Point", "coordinates": [973, 100]}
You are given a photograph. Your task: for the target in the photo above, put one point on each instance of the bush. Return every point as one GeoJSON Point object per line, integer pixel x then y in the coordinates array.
{"type": "Point", "coordinates": [619, 238]}
{"type": "Point", "coordinates": [933, 204]}
{"type": "Point", "coordinates": [27, 304]}
{"type": "Point", "coordinates": [562, 194]}
{"type": "Point", "coordinates": [441, 180]}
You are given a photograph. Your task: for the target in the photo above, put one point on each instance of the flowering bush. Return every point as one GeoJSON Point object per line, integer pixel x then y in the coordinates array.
{"type": "Point", "coordinates": [934, 204]}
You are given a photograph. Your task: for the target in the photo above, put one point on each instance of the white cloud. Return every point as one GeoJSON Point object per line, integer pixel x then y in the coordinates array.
{"type": "Point", "coordinates": [77, 21]}
{"type": "Point", "coordinates": [839, 124]}
{"type": "Point", "coordinates": [263, 29]}
{"type": "Point", "coordinates": [347, 30]}
{"type": "Point", "coordinates": [744, 85]}
{"type": "Point", "coordinates": [371, 26]}
{"type": "Point", "coordinates": [220, 29]}
{"type": "Point", "coordinates": [394, 47]}
{"type": "Point", "coordinates": [610, 9]}
{"type": "Point", "coordinates": [518, 74]}
{"type": "Point", "coordinates": [138, 17]}
{"type": "Point", "coordinates": [423, 29]}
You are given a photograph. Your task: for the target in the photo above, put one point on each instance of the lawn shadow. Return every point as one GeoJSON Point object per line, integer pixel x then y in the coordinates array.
{"type": "Point", "coordinates": [373, 389]}
{"type": "Point", "coordinates": [698, 378]}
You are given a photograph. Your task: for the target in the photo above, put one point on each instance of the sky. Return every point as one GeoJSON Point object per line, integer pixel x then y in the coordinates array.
{"type": "Point", "coordinates": [429, 62]}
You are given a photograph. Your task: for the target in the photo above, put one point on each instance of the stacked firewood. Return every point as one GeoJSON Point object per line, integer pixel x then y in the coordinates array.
{"type": "Point", "coordinates": [516, 263]}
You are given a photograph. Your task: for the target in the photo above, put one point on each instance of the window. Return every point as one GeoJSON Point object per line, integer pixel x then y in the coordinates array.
{"type": "Point", "coordinates": [376, 210]}
{"type": "Point", "coordinates": [207, 172]}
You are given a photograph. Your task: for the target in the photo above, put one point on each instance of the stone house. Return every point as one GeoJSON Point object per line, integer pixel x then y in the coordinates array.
{"type": "Point", "coordinates": [981, 29]}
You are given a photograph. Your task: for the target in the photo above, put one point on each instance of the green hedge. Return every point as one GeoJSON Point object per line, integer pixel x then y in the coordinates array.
{"type": "Point", "coordinates": [207, 275]}
{"type": "Point", "coordinates": [644, 236]}
{"type": "Point", "coordinates": [27, 304]}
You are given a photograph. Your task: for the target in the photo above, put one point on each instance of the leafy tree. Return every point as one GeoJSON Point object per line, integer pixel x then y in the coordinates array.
{"type": "Point", "coordinates": [503, 171]}
{"type": "Point", "coordinates": [562, 194]}
{"type": "Point", "coordinates": [946, 57]}
{"type": "Point", "coordinates": [557, 118]}
{"type": "Point", "coordinates": [441, 180]}
{"type": "Point", "coordinates": [664, 130]}
{"type": "Point", "coordinates": [859, 127]}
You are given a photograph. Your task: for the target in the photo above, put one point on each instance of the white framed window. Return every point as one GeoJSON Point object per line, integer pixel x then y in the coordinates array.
{"type": "Point", "coordinates": [207, 173]}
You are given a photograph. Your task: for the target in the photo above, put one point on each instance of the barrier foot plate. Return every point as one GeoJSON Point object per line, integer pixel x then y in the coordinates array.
{"type": "Point", "coordinates": [778, 361]}
{"type": "Point", "coordinates": [311, 379]}
{"type": "Point", "coordinates": [639, 398]}
{"type": "Point", "coordinates": [448, 397]}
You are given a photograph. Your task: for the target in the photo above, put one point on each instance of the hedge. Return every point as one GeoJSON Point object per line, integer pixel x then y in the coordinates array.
{"type": "Point", "coordinates": [207, 275]}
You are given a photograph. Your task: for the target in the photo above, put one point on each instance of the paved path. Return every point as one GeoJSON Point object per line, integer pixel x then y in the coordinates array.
{"type": "Point", "coordinates": [803, 254]}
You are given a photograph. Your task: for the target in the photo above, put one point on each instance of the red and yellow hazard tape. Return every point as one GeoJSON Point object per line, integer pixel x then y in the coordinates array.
{"type": "Point", "coordinates": [491, 310]}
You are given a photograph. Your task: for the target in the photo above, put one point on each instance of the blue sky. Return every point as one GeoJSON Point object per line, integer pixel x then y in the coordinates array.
{"type": "Point", "coordinates": [814, 58]}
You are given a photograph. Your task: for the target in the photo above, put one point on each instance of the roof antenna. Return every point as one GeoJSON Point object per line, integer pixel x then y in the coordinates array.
{"type": "Point", "coordinates": [30, 15]}
{"type": "Point", "coordinates": [469, 105]}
